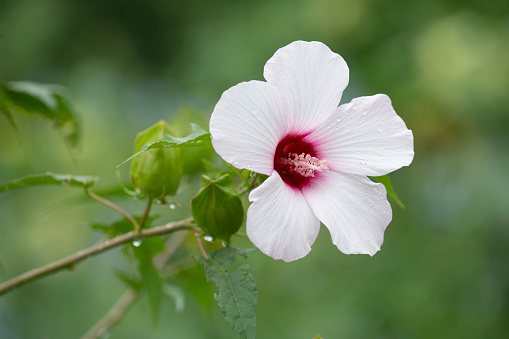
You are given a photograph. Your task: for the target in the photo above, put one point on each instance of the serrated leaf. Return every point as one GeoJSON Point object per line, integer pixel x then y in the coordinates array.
{"type": "Point", "coordinates": [228, 255]}
{"type": "Point", "coordinates": [386, 181]}
{"type": "Point", "coordinates": [237, 295]}
{"type": "Point", "coordinates": [199, 138]}
{"type": "Point", "coordinates": [46, 100]}
{"type": "Point", "coordinates": [50, 179]}
{"type": "Point", "coordinates": [217, 208]}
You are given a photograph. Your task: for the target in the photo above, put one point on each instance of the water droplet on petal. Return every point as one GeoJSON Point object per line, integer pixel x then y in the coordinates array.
{"type": "Point", "coordinates": [380, 128]}
{"type": "Point", "coordinates": [248, 165]}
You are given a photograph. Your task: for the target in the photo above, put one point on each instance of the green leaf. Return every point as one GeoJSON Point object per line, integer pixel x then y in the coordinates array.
{"type": "Point", "coordinates": [386, 181]}
{"type": "Point", "coordinates": [129, 280]}
{"type": "Point", "coordinates": [237, 294]}
{"type": "Point", "coordinates": [199, 138]}
{"type": "Point", "coordinates": [50, 179]}
{"type": "Point", "coordinates": [217, 208]}
{"type": "Point", "coordinates": [4, 105]}
{"type": "Point", "coordinates": [120, 227]}
{"type": "Point", "coordinates": [49, 101]}
{"type": "Point", "coordinates": [151, 279]}
{"type": "Point", "coordinates": [177, 295]}
{"type": "Point", "coordinates": [317, 337]}
{"type": "Point", "coordinates": [192, 281]}
{"type": "Point", "coordinates": [228, 255]}
{"type": "Point", "coordinates": [191, 156]}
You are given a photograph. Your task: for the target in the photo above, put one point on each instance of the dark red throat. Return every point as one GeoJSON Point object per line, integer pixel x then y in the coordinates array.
{"type": "Point", "coordinates": [292, 143]}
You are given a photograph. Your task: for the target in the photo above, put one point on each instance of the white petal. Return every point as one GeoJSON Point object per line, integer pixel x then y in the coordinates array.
{"type": "Point", "coordinates": [279, 220]}
{"type": "Point", "coordinates": [247, 124]}
{"type": "Point", "coordinates": [354, 209]}
{"type": "Point", "coordinates": [312, 79]}
{"type": "Point", "coordinates": [365, 137]}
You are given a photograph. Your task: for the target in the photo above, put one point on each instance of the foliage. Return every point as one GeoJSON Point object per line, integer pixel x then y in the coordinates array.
{"type": "Point", "coordinates": [217, 208]}
{"type": "Point", "coordinates": [442, 271]}
{"type": "Point", "coordinates": [49, 101]}
{"type": "Point", "coordinates": [152, 282]}
{"type": "Point", "coordinates": [386, 181]}
{"type": "Point", "coordinates": [237, 294]}
{"type": "Point", "coordinates": [50, 179]}
{"type": "Point", "coordinates": [199, 138]}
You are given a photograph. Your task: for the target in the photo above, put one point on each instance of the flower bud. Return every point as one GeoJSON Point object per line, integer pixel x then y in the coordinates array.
{"type": "Point", "coordinates": [156, 172]}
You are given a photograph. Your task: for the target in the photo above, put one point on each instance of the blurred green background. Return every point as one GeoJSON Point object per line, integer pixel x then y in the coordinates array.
{"type": "Point", "coordinates": [443, 269]}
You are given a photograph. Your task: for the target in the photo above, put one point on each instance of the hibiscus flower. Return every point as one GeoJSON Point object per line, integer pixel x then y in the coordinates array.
{"type": "Point", "coordinates": [317, 155]}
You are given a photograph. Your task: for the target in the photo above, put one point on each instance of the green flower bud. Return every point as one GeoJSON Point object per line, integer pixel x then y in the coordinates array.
{"type": "Point", "coordinates": [217, 208]}
{"type": "Point", "coordinates": [156, 172]}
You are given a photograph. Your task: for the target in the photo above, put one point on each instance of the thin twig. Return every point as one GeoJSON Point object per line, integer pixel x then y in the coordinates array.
{"type": "Point", "coordinates": [113, 206]}
{"type": "Point", "coordinates": [118, 310]}
{"type": "Point", "coordinates": [72, 260]}
{"type": "Point", "coordinates": [115, 313]}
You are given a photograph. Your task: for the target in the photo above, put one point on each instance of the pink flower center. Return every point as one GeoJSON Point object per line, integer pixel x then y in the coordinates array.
{"type": "Point", "coordinates": [296, 162]}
